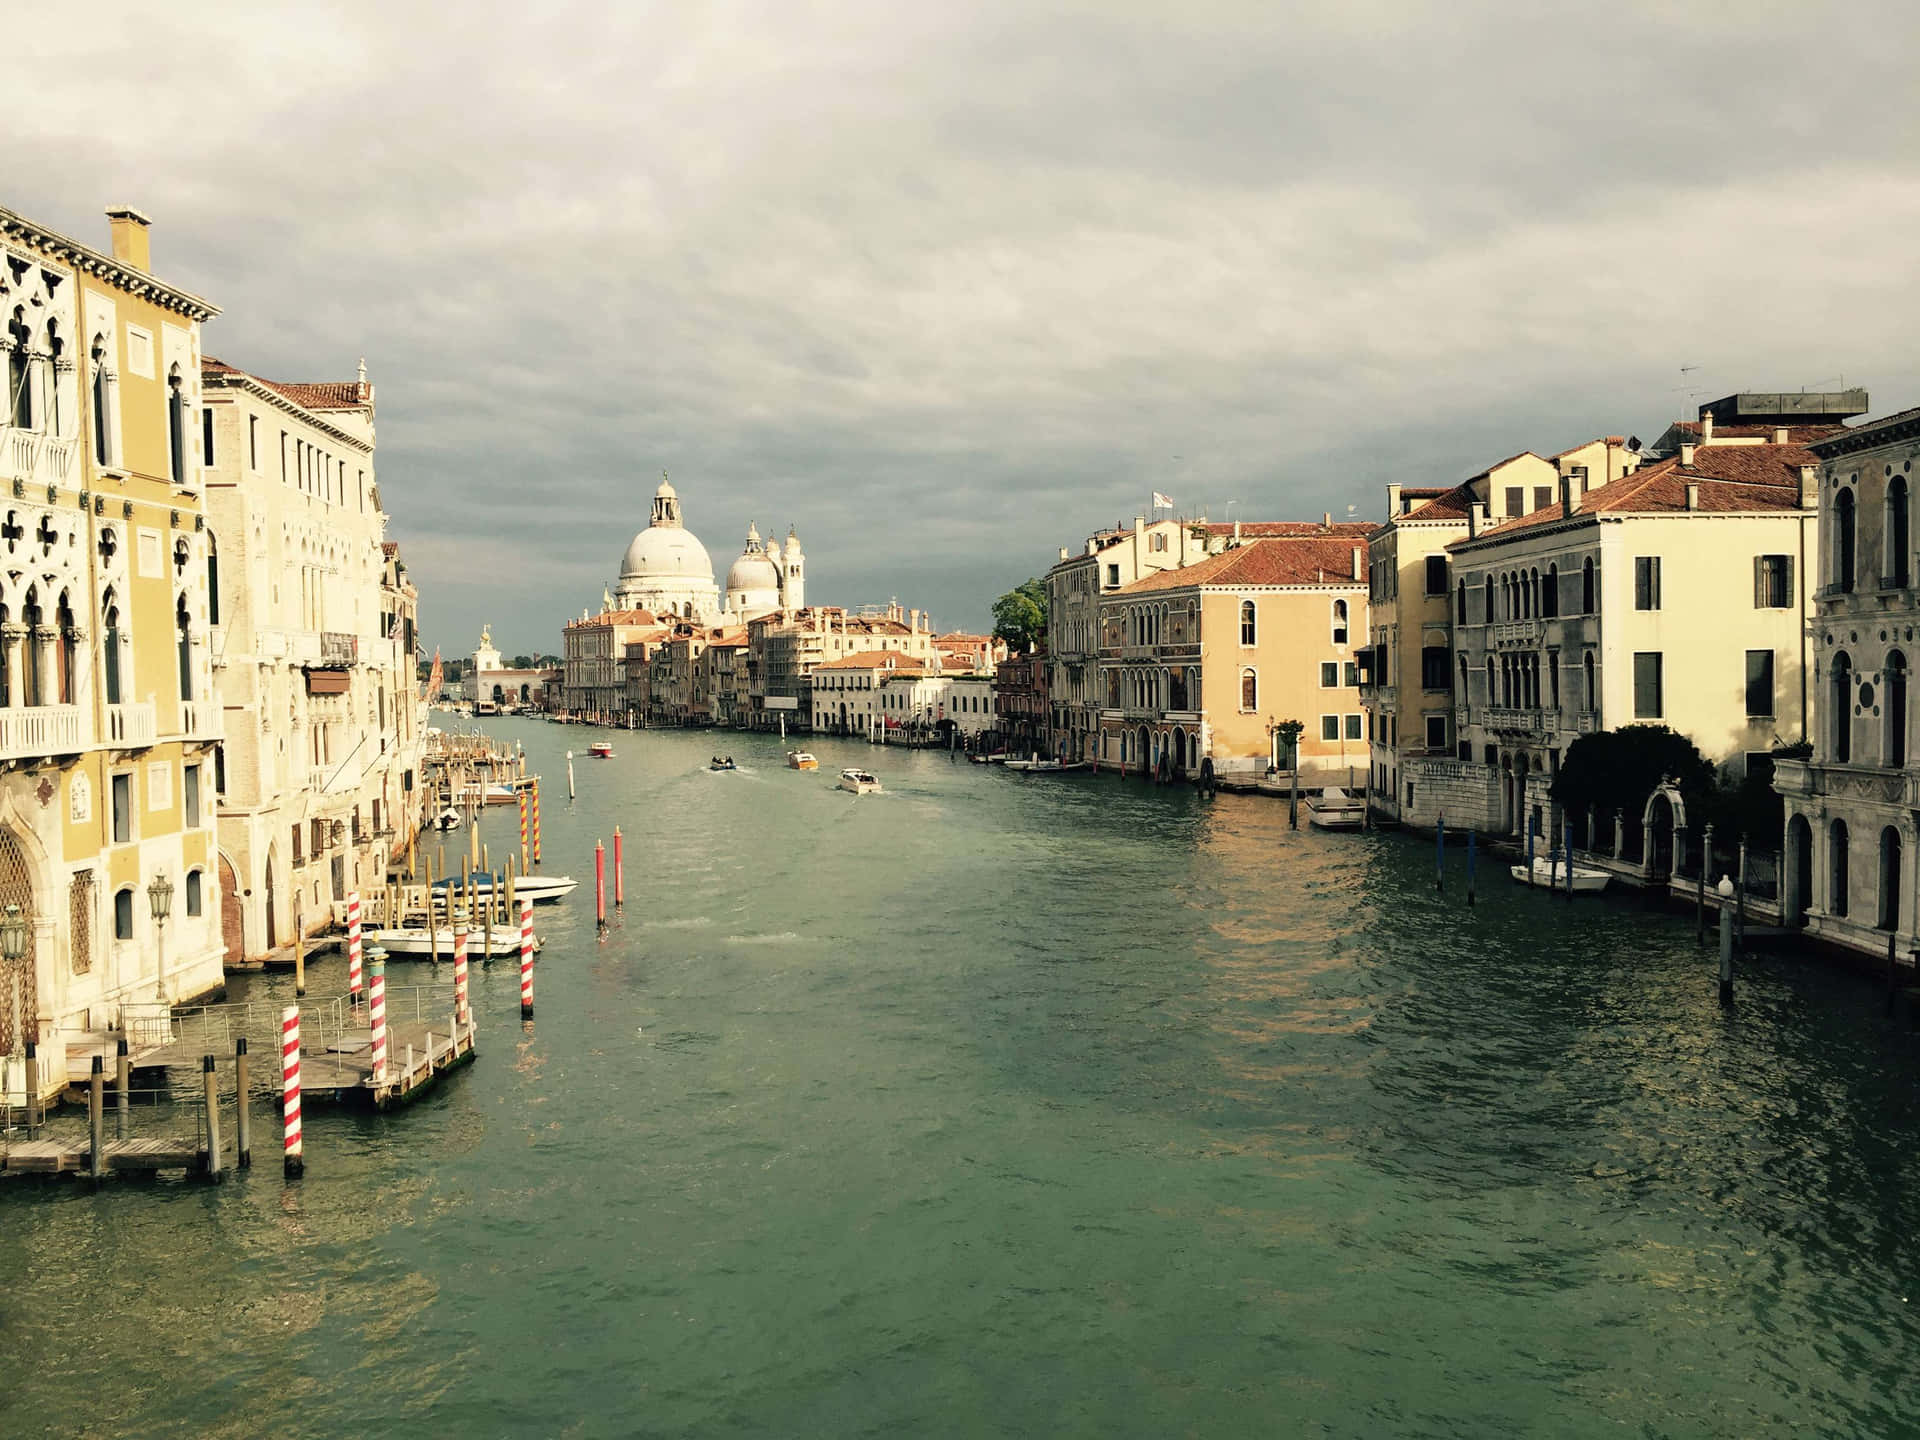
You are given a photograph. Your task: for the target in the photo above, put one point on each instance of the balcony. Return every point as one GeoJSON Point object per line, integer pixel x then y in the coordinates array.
{"type": "Point", "coordinates": [201, 720]}
{"type": "Point", "coordinates": [131, 726]}
{"type": "Point", "coordinates": [33, 730]}
{"type": "Point", "coordinates": [1587, 722]}
{"type": "Point", "coordinates": [1517, 634]}
{"type": "Point", "coordinates": [335, 779]}
{"type": "Point", "coordinates": [337, 649]}
{"type": "Point", "coordinates": [36, 459]}
{"type": "Point", "coordinates": [1514, 722]}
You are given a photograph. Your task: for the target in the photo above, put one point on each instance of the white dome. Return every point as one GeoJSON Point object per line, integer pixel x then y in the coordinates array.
{"type": "Point", "coordinates": [753, 571]}
{"type": "Point", "coordinates": [667, 551]}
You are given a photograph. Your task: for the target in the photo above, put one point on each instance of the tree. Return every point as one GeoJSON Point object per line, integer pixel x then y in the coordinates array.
{"type": "Point", "coordinates": [1020, 615]}
{"type": "Point", "coordinates": [1618, 769]}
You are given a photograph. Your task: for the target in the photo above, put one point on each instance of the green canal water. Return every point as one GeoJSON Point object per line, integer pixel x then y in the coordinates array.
{"type": "Point", "coordinates": [994, 1106]}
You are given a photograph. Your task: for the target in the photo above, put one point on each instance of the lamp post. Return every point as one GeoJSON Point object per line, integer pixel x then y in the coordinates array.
{"type": "Point", "coordinates": [1725, 891]}
{"type": "Point", "coordinates": [160, 896]}
{"type": "Point", "coordinates": [13, 946]}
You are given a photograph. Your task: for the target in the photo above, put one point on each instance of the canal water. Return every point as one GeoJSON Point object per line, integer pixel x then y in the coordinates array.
{"type": "Point", "coordinates": [1003, 1106]}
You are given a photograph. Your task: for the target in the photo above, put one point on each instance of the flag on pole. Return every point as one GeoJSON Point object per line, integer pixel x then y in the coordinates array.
{"type": "Point", "coordinates": [1161, 502]}
{"type": "Point", "coordinates": [434, 677]}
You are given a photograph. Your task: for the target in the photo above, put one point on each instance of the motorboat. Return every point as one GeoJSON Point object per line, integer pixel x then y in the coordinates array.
{"type": "Point", "coordinates": [1334, 809]}
{"type": "Point", "coordinates": [1042, 766]}
{"type": "Point", "coordinates": [447, 819]}
{"type": "Point", "coordinates": [600, 750]}
{"type": "Point", "coordinates": [1550, 873]}
{"type": "Point", "coordinates": [801, 760]}
{"type": "Point", "coordinates": [496, 793]}
{"type": "Point", "coordinates": [719, 764]}
{"type": "Point", "coordinates": [538, 888]}
{"type": "Point", "coordinates": [417, 941]}
{"type": "Point", "coordinates": [999, 757]}
{"type": "Point", "coordinates": [860, 782]}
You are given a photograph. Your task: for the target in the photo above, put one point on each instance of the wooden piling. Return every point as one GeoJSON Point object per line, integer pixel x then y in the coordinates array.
{"type": "Point", "coordinates": [486, 927]}
{"type": "Point", "coordinates": [600, 887]}
{"type": "Point", "coordinates": [526, 959]}
{"type": "Point", "coordinates": [122, 1088]}
{"type": "Point", "coordinates": [1440, 852]}
{"type": "Point", "coordinates": [377, 1021]}
{"type": "Point", "coordinates": [299, 956]}
{"type": "Point", "coordinates": [1470, 835]}
{"type": "Point", "coordinates": [97, 1118]}
{"type": "Point", "coordinates": [242, 1116]}
{"type": "Point", "coordinates": [33, 1088]}
{"type": "Point", "coordinates": [1700, 887]}
{"type": "Point", "coordinates": [210, 1081]}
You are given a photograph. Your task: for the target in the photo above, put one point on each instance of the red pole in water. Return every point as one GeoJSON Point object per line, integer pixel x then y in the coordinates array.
{"type": "Point", "coordinates": [619, 874]}
{"type": "Point", "coordinates": [600, 886]}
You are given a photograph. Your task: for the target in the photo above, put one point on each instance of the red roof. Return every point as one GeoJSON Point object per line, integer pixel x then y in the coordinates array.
{"type": "Point", "coordinates": [1796, 434]}
{"type": "Point", "coordinates": [872, 660]}
{"type": "Point", "coordinates": [1295, 560]}
{"type": "Point", "coordinates": [1275, 529]}
{"type": "Point", "coordinates": [312, 395]}
{"type": "Point", "coordinates": [616, 617]}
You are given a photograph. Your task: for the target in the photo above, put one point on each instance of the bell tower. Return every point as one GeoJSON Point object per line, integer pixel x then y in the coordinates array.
{"type": "Point", "coordinates": [793, 574]}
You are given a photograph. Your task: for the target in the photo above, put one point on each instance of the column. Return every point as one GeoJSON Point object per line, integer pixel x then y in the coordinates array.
{"type": "Point", "coordinates": [11, 637]}
{"type": "Point", "coordinates": [45, 637]}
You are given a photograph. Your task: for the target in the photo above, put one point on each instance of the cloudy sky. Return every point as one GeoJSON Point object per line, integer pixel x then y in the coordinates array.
{"type": "Point", "coordinates": [949, 285]}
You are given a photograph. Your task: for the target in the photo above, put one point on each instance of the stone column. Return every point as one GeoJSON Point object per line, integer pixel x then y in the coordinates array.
{"type": "Point", "coordinates": [1619, 832]}
{"type": "Point", "coordinates": [44, 638]}
{"type": "Point", "coordinates": [82, 666]}
{"type": "Point", "coordinates": [11, 637]}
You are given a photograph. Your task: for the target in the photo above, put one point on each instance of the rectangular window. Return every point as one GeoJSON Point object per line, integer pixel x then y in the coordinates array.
{"type": "Point", "coordinates": [1759, 683]}
{"type": "Point", "coordinates": [1353, 726]}
{"type": "Point", "coordinates": [1436, 671]}
{"type": "Point", "coordinates": [1436, 574]}
{"type": "Point", "coordinates": [123, 809]}
{"type": "Point", "coordinates": [190, 794]}
{"type": "Point", "coordinates": [1353, 672]}
{"type": "Point", "coordinates": [1646, 582]}
{"type": "Point", "coordinates": [1329, 674]}
{"type": "Point", "coordinates": [1516, 500]}
{"type": "Point", "coordinates": [206, 435]}
{"type": "Point", "coordinates": [1772, 582]}
{"type": "Point", "coordinates": [253, 443]}
{"type": "Point", "coordinates": [1436, 732]}
{"type": "Point", "coordinates": [283, 457]}
{"type": "Point", "coordinates": [297, 851]}
{"type": "Point", "coordinates": [1647, 703]}
{"type": "Point", "coordinates": [1329, 727]}
{"type": "Point", "coordinates": [1542, 496]}
{"type": "Point", "coordinates": [1113, 574]}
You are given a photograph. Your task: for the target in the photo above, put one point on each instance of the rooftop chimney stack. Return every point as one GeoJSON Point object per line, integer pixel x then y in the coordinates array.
{"type": "Point", "coordinates": [1693, 495]}
{"type": "Point", "coordinates": [1358, 571]}
{"type": "Point", "coordinates": [1809, 487]}
{"type": "Point", "coordinates": [1706, 428]}
{"type": "Point", "coordinates": [1326, 520]}
{"type": "Point", "coordinates": [132, 245]}
{"type": "Point", "coordinates": [1686, 453]}
{"type": "Point", "coordinates": [1476, 517]}
{"type": "Point", "coordinates": [1569, 496]}
{"type": "Point", "coordinates": [1779, 434]}
{"type": "Point", "coordinates": [1393, 501]}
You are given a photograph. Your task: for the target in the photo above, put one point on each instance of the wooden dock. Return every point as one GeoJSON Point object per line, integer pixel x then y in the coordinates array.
{"type": "Point", "coordinates": [64, 1157]}
{"type": "Point", "coordinates": [340, 1069]}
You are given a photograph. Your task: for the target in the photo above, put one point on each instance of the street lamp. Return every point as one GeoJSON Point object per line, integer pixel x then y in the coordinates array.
{"type": "Point", "coordinates": [160, 897]}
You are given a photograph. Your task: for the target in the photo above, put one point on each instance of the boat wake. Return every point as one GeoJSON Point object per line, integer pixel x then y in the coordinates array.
{"type": "Point", "coordinates": [785, 937]}
{"type": "Point", "coordinates": [690, 922]}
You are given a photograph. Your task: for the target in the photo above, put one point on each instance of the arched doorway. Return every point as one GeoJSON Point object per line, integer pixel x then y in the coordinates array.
{"type": "Point", "coordinates": [1890, 878]}
{"type": "Point", "coordinates": [1180, 761]}
{"type": "Point", "coordinates": [272, 936]}
{"type": "Point", "coordinates": [16, 888]}
{"type": "Point", "coordinates": [1799, 869]}
{"type": "Point", "coordinates": [1145, 753]}
{"type": "Point", "coordinates": [1837, 877]}
{"type": "Point", "coordinates": [1664, 817]}
{"type": "Point", "coordinates": [233, 928]}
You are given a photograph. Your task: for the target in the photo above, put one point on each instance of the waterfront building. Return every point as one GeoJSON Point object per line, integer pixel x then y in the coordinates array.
{"type": "Point", "coordinates": [313, 629]}
{"type": "Point", "coordinates": [490, 684]}
{"type": "Point", "coordinates": [960, 650]}
{"type": "Point", "coordinates": [785, 648]}
{"type": "Point", "coordinates": [1203, 660]}
{"type": "Point", "coordinates": [1848, 871]}
{"type": "Point", "coordinates": [1021, 705]}
{"type": "Point", "coordinates": [1407, 672]}
{"type": "Point", "coordinates": [1587, 614]}
{"type": "Point", "coordinates": [107, 717]}
{"type": "Point", "coordinates": [926, 707]}
{"type": "Point", "coordinates": [594, 652]}
{"type": "Point", "coordinates": [846, 692]}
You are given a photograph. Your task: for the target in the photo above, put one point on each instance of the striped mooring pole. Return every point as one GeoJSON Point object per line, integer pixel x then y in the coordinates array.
{"type": "Point", "coordinates": [522, 793]}
{"type": "Point", "coordinates": [290, 1089]}
{"type": "Point", "coordinates": [377, 1020]}
{"type": "Point", "coordinates": [461, 1016]}
{"type": "Point", "coordinates": [536, 820]}
{"type": "Point", "coordinates": [353, 949]}
{"type": "Point", "coordinates": [526, 958]}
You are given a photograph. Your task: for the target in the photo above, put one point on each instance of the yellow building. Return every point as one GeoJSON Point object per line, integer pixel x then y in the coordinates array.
{"type": "Point", "coordinates": [1202, 660]}
{"type": "Point", "coordinates": [107, 721]}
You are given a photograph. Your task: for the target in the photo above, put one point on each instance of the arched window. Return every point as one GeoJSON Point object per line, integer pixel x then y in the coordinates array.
{"type": "Point", "coordinates": [123, 914]}
{"type": "Point", "coordinates": [1339, 622]}
{"type": "Point", "coordinates": [1899, 551]}
{"type": "Point", "coordinates": [195, 903]}
{"type": "Point", "coordinates": [183, 624]}
{"type": "Point", "coordinates": [19, 370]}
{"type": "Point", "coordinates": [1550, 596]}
{"type": "Point", "coordinates": [102, 399]}
{"type": "Point", "coordinates": [1890, 878]}
{"type": "Point", "coordinates": [1489, 619]}
{"type": "Point", "coordinates": [213, 581]}
{"type": "Point", "coordinates": [1249, 690]}
{"type": "Point", "coordinates": [1586, 681]}
{"type": "Point", "coordinates": [110, 643]}
{"type": "Point", "coordinates": [1460, 604]}
{"type": "Point", "coordinates": [1247, 630]}
{"type": "Point", "coordinates": [1841, 709]}
{"type": "Point", "coordinates": [1843, 541]}
{"type": "Point", "coordinates": [1493, 695]}
{"type": "Point", "coordinates": [56, 347]}
{"type": "Point", "coordinates": [1894, 707]}
{"type": "Point", "coordinates": [1586, 586]}
{"type": "Point", "coordinates": [33, 618]}
{"type": "Point", "coordinates": [177, 425]}
{"type": "Point", "coordinates": [1837, 868]}
{"type": "Point", "coordinates": [64, 650]}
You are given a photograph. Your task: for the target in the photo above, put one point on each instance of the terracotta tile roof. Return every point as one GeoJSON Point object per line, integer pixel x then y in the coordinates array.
{"type": "Point", "coordinates": [389, 548]}
{"type": "Point", "coordinates": [959, 637]}
{"type": "Point", "coordinates": [1292, 560]}
{"type": "Point", "coordinates": [615, 617]}
{"type": "Point", "coordinates": [1616, 441]}
{"type": "Point", "coordinates": [1425, 492]}
{"type": "Point", "coordinates": [1732, 479]}
{"type": "Point", "coordinates": [1452, 504]}
{"type": "Point", "coordinates": [1796, 434]}
{"type": "Point", "coordinates": [873, 660]}
{"type": "Point", "coordinates": [323, 394]}
{"type": "Point", "coordinates": [1276, 529]}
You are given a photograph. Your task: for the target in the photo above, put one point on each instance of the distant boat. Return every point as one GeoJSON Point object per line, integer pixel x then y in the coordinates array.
{"type": "Point", "coordinates": [1334, 809]}
{"type": "Point", "coordinates": [801, 760]}
{"type": "Point", "coordinates": [1048, 767]}
{"type": "Point", "coordinates": [860, 782]}
{"type": "Point", "coordinates": [1550, 873]}
{"type": "Point", "coordinates": [540, 888]}
{"type": "Point", "coordinates": [718, 764]}
{"type": "Point", "coordinates": [600, 750]}
{"type": "Point", "coordinates": [491, 794]}
{"type": "Point", "coordinates": [447, 819]}
{"type": "Point", "coordinates": [999, 757]}
{"type": "Point", "coordinates": [416, 941]}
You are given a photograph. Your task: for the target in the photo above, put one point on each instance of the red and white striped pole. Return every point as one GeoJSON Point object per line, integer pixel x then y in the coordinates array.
{"type": "Point", "coordinates": [290, 1089]}
{"type": "Point", "coordinates": [619, 874]}
{"type": "Point", "coordinates": [461, 1015]}
{"type": "Point", "coordinates": [600, 886]}
{"type": "Point", "coordinates": [526, 958]}
{"type": "Point", "coordinates": [353, 949]}
{"type": "Point", "coordinates": [522, 793]}
{"type": "Point", "coordinates": [377, 1018]}
{"type": "Point", "coordinates": [536, 822]}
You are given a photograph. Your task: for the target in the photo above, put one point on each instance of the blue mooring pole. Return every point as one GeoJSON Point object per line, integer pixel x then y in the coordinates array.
{"type": "Point", "coordinates": [1566, 848]}
{"type": "Point", "coordinates": [1440, 854]}
{"type": "Point", "coordinates": [1470, 835]}
{"type": "Point", "coordinates": [1529, 849]}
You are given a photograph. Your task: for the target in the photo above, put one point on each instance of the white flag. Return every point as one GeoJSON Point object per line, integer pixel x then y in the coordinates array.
{"type": "Point", "coordinates": [1161, 501]}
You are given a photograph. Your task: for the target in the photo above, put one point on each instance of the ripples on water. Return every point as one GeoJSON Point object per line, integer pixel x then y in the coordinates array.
{"type": "Point", "coordinates": [1022, 1106]}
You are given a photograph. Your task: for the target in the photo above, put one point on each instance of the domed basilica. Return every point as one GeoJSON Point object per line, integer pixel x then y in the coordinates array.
{"type": "Point", "coordinates": [666, 571]}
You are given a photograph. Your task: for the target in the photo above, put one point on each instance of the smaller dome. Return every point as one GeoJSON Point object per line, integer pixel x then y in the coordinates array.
{"type": "Point", "coordinates": [752, 571]}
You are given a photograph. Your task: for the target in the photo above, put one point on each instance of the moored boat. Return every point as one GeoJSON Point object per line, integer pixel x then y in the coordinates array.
{"type": "Point", "coordinates": [447, 819]}
{"type": "Point", "coordinates": [719, 764]}
{"type": "Point", "coordinates": [1334, 809]}
{"type": "Point", "coordinates": [416, 941]}
{"type": "Point", "coordinates": [860, 782]}
{"type": "Point", "coordinates": [538, 888]}
{"type": "Point", "coordinates": [1551, 874]}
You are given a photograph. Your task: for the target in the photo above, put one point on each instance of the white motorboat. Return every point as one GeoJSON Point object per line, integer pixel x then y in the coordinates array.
{"type": "Point", "coordinates": [447, 819]}
{"type": "Point", "coordinates": [1039, 766]}
{"type": "Point", "coordinates": [416, 941]}
{"type": "Point", "coordinates": [860, 782]}
{"type": "Point", "coordinates": [1334, 809]}
{"type": "Point", "coordinates": [538, 888]}
{"type": "Point", "coordinates": [1551, 874]}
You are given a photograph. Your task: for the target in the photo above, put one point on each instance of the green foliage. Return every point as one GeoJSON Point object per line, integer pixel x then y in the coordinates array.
{"type": "Point", "coordinates": [1748, 807]}
{"type": "Point", "coordinates": [1020, 615]}
{"type": "Point", "coordinates": [1618, 769]}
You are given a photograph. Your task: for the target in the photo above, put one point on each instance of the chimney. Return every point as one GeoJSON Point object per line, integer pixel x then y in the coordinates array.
{"type": "Point", "coordinates": [1706, 428]}
{"type": "Point", "coordinates": [1779, 434]}
{"type": "Point", "coordinates": [1569, 496]}
{"type": "Point", "coordinates": [1476, 517]}
{"type": "Point", "coordinates": [1063, 552]}
{"type": "Point", "coordinates": [1693, 495]}
{"type": "Point", "coordinates": [1236, 532]}
{"type": "Point", "coordinates": [1326, 520]}
{"type": "Point", "coordinates": [1358, 571]}
{"type": "Point", "coordinates": [131, 244]}
{"type": "Point", "coordinates": [1809, 487]}
{"type": "Point", "coordinates": [1393, 501]}
{"type": "Point", "coordinates": [1686, 452]}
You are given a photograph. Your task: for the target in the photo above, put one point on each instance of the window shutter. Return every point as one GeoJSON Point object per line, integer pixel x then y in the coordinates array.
{"type": "Point", "coordinates": [1786, 588]}
{"type": "Point", "coordinates": [1759, 582]}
